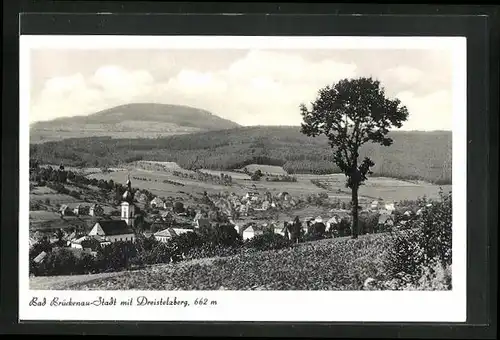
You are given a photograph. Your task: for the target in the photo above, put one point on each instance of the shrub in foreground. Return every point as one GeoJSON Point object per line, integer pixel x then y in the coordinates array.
{"type": "Point", "coordinates": [422, 256]}
{"type": "Point", "coordinates": [267, 241]}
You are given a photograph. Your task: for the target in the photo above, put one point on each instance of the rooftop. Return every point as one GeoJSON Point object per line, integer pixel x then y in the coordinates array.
{"type": "Point", "coordinates": [115, 227]}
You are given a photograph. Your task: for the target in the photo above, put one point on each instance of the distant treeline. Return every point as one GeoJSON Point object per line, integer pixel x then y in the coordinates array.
{"type": "Point", "coordinates": [204, 177]}
{"type": "Point", "coordinates": [413, 155]}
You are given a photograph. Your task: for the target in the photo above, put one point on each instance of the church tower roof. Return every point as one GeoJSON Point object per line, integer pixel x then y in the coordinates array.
{"type": "Point", "coordinates": [127, 195]}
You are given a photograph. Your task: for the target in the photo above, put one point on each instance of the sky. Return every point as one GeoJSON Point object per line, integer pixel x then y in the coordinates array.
{"type": "Point", "coordinates": [249, 87]}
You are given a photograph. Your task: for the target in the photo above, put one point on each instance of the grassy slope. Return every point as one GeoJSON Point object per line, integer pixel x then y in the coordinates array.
{"type": "Point", "coordinates": [413, 155]}
{"type": "Point", "coordinates": [335, 264]}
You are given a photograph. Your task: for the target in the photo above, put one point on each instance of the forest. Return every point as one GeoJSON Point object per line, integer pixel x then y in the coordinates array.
{"type": "Point", "coordinates": [413, 155]}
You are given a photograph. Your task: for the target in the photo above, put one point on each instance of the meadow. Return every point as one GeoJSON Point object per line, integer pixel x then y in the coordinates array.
{"type": "Point", "coordinates": [376, 187]}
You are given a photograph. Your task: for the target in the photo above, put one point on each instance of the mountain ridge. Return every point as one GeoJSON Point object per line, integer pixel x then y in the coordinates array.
{"type": "Point", "coordinates": [133, 120]}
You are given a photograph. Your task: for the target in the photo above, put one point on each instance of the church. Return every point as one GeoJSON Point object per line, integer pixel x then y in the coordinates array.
{"type": "Point", "coordinates": [118, 230]}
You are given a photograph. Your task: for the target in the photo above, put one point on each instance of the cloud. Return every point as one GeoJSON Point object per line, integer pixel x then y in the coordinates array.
{"type": "Point", "coordinates": [432, 110]}
{"type": "Point", "coordinates": [267, 87]}
{"type": "Point", "coordinates": [257, 88]}
{"type": "Point", "coordinates": [404, 74]}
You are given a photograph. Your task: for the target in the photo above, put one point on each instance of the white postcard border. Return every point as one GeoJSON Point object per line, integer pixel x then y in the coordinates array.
{"type": "Point", "coordinates": [382, 306]}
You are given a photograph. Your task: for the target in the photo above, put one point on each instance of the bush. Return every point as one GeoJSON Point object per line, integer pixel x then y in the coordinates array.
{"type": "Point", "coordinates": [405, 257]}
{"type": "Point", "coordinates": [368, 223]}
{"type": "Point", "coordinates": [315, 232]}
{"type": "Point", "coordinates": [178, 207]}
{"type": "Point", "coordinates": [434, 277]}
{"type": "Point", "coordinates": [415, 253]}
{"type": "Point", "coordinates": [59, 262]}
{"type": "Point", "coordinates": [184, 242]}
{"type": "Point", "coordinates": [42, 245]}
{"type": "Point", "coordinates": [268, 241]}
{"type": "Point", "coordinates": [117, 255]}
{"type": "Point", "coordinates": [342, 229]}
{"type": "Point", "coordinates": [224, 235]}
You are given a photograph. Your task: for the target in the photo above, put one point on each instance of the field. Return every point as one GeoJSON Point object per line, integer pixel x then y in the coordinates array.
{"type": "Point", "coordinates": [376, 187]}
{"type": "Point", "coordinates": [334, 264]}
{"type": "Point", "coordinates": [266, 169]}
{"type": "Point", "coordinates": [41, 194]}
{"type": "Point", "coordinates": [44, 212]}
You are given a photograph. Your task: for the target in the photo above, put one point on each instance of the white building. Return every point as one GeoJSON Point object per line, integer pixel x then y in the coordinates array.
{"type": "Point", "coordinates": [167, 234]}
{"type": "Point", "coordinates": [113, 231]}
{"type": "Point", "coordinates": [251, 232]}
{"type": "Point", "coordinates": [81, 210]}
{"type": "Point", "coordinates": [202, 222]}
{"type": "Point", "coordinates": [390, 207]}
{"type": "Point", "coordinates": [334, 221]}
{"type": "Point", "coordinates": [280, 230]}
{"type": "Point", "coordinates": [158, 203]}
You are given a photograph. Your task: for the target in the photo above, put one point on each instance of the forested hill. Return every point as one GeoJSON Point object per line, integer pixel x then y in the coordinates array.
{"type": "Point", "coordinates": [138, 120]}
{"type": "Point", "coordinates": [414, 155]}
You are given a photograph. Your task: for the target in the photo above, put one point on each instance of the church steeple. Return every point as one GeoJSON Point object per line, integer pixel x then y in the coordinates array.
{"type": "Point", "coordinates": [129, 184]}
{"type": "Point", "coordinates": [128, 207]}
{"type": "Point", "coordinates": [127, 196]}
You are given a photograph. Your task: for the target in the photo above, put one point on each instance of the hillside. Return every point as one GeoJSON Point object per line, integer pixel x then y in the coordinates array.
{"type": "Point", "coordinates": [142, 120]}
{"type": "Point", "coordinates": [332, 264]}
{"type": "Point", "coordinates": [413, 155]}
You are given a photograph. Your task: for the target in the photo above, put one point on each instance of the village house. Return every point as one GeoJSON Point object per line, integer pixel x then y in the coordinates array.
{"type": "Point", "coordinates": [64, 210]}
{"type": "Point", "coordinates": [166, 234]}
{"type": "Point", "coordinates": [32, 241]}
{"type": "Point", "coordinates": [390, 207]}
{"type": "Point", "coordinates": [374, 205]}
{"type": "Point", "coordinates": [69, 237]}
{"type": "Point", "coordinates": [279, 229]}
{"type": "Point", "coordinates": [239, 225]}
{"type": "Point", "coordinates": [243, 210]}
{"type": "Point", "coordinates": [89, 243]}
{"type": "Point", "coordinates": [239, 229]}
{"type": "Point", "coordinates": [202, 222]}
{"type": "Point", "coordinates": [140, 197]}
{"type": "Point", "coordinates": [385, 212]}
{"type": "Point", "coordinates": [157, 203]}
{"type": "Point", "coordinates": [166, 215]}
{"type": "Point", "coordinates": [385, 220]}
{"type": "Point", "coordinates": [333, 222]}
{"type": "Point", "coordinates": [250, 194]}
{"type": "Point", "coordinates": [81, 210]}
{"type": "Point", "coordinates": [96, 210]}
{"type": "Point", "coordinates": [40, 257]}
{"type": "Point", "coordinates": [252, 231]}
{"type": "Point", "coordinates": [266, 205]}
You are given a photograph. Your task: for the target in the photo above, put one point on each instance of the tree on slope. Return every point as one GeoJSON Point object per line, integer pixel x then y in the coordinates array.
{"type": "Point", "coordinates": [350, 113]}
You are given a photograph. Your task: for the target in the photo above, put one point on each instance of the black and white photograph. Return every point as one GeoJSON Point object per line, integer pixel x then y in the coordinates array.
{"type": "Point", "coordinates": [280, 172]}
